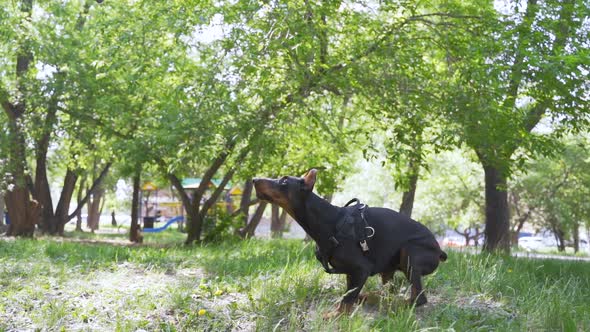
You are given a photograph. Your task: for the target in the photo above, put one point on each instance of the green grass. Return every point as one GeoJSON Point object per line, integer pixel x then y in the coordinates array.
{"type": "Point", "coordinates": [79, 283]}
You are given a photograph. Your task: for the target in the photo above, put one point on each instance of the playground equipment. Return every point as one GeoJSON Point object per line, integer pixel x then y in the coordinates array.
{"type": "Point", "coordinates": [166, 225]}
{"type": "Point", "coordinates": [145, 193]}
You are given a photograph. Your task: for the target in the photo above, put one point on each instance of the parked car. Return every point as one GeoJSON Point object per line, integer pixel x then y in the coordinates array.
{"type": "Point", "coordinates": [537, 243]}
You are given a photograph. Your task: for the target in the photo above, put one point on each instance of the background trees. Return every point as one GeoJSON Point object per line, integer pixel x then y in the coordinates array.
{"type": "Point", "coordinates": [551, 194]}
{"type": "Point", "coordinates": [236, 89]}
{"type": "Point", "coordinates": [519, 64]}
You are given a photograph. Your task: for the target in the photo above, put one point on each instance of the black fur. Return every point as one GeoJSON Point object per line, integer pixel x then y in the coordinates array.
{"type": "Point", "coordinates": [399, 243]}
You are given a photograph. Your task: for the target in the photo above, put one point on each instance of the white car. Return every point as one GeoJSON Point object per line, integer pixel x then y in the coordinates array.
{"type": "Point", "coordinates": [537, 243]}
{"type": "Point", "coordinates": [531, 242]}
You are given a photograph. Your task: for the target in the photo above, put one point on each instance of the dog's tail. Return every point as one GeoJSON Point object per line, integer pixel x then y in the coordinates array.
{"type": "Point", "coordinates": [443, 256]}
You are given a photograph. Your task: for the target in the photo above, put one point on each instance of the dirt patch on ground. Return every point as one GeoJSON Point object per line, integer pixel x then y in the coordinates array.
{"type": "Point", "coordinates": [125, 297]}
{"type": "Point", "coordinates": [480, 303]}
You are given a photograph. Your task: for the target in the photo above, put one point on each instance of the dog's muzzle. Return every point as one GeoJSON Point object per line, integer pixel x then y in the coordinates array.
{"type": "Point", "coordinates": [259, 188]}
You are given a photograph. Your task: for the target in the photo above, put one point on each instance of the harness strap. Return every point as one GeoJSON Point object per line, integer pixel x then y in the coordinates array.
{"type": "Point", "coordinates": [324, 255]}
{"type": "Point", "coordinates": [324, 259]}
{"type": "Point", "coordinates": [362, 208]}
{"type": "Point", "coordinates": [352, 201]}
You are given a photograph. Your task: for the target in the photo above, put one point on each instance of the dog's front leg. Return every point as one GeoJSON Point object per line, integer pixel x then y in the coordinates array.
{"type": "Point", "coordinates": [354, 284]}
{"type": "Point", "coordinates": [369, 297]}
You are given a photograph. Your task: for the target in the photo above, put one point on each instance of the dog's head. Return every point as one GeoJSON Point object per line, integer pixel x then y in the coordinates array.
{"type": "Point", "coordinates": [288, 192]}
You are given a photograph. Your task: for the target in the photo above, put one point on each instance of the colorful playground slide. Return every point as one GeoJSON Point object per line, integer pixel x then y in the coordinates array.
{"type": "Point", "coordinates": [166, 225]}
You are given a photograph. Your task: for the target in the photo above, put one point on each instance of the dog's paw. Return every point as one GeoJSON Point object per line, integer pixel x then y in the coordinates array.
{"type": "Point", "coordinates": [343, 308]}
{"type": "Point", "coordinates": [362, 297]}
{"type": "Point", "coordinates": [369, 298]}
{"type": "Point", "coordinates": [331, 314]}
{"type": "Point", "coordinates": [420, 301]}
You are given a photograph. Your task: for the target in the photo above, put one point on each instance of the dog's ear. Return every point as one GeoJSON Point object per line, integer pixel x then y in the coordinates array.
{"type": "Point", "coordinates": [309, 179]}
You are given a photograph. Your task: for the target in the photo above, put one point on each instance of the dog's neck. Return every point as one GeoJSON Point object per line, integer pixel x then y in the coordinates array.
{"type": "Point", "coordinates": [317, 217]}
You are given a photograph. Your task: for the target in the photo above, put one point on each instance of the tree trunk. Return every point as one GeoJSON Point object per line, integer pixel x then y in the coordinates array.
{"type": "Point", "coordinates": [411, 176]}
{"type": "Point", "coordinates": [245, 201]}
{"type": "Point", "coordinates": [1, 208]}
{"type": "Point", "coordinates": [277, 222]}
{"type": "Point", "coordinates": [79, 211]}
{"type": "Point", "coordinates": [497, 230]}
{"type": "Point", "coordinates": [134, 229]}
{"type": "Point", "coordinates": [576, 235]}
{"type": "Point", "coordinates": [65, 199]}
{"type": "Point", "coordinates": [194, 225]}
{"type": "Point", "coordinates": [408, 196]}
{"type": "Point", "coordinates": [94, 209]}
{"type": "Point", "coordinates": [96, 185]}
{"type": "Point", "coordinates": [560, 240]}
{"type": "Point", "coordinates": [250, 229]}
{"type": "Point", "coordinates": [54, 222]}
{"type": "Point", "coordinates": [23, 212]}
{"type": "Point", "coordinates": [557, 233]}
{"type": "Point", "coordinates": [197, 216]}
{"type": "Point", "coordinates": [42, 192]}
{"type": "Point", "coordinates": [465, 234]}
{"type": "Point", "coordinates": [476, 237]}
{"type": "Point", "coordinates": [79, 221]}
{"type": "Point", "coordinates": [283, 220]}
{"type": "Point", "coordinates": [520, 218]}
{"type": "Point", "coordinates": [518, 227]}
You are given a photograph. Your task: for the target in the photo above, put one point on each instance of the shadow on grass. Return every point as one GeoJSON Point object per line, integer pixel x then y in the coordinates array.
{"type": "Point", "coordinates": [235, 258]}
{"type": "Point", "coordinates": [253, 257]}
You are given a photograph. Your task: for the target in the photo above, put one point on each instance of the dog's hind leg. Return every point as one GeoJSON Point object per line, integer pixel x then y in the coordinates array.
{"type": "Point", "coordinates": [417, 293]}
{"type": "Point", "coordinates": [413, 274]}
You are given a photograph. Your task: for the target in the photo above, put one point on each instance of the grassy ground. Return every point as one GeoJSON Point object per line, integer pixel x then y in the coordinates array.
{"type": "Point", "coordinates": [79, 283]}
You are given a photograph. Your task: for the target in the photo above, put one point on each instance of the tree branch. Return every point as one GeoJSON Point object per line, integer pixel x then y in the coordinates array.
{"type": "Point", "coordinates": [93, 188]}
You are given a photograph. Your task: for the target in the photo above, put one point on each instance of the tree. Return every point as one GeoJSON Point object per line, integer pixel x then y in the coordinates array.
{"type": "Point", "coordinates": [38, 108]}
{"type": "Point", "coordinates": [452, 194]}
{"type": "Point", "coordinates": [135, 229]}
{"type": "Point", "coordinates": [554, 190]}
{"type": "Point", "coordinates": [278, 221]}
{"type": "Point", "coordinates": [512, 70]}
{"type": "Point", "coordinates": [399, 87]}
{"type": "Point", "coordinates": [24, 212]}
{"type": "Point", "coordinates": [1, 207]}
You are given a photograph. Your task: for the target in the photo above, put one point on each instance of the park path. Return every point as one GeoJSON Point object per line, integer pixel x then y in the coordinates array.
{"type": "Point", "coordinates": [548, 256]}
{"type": "Point", "coordinates": [520, 254]}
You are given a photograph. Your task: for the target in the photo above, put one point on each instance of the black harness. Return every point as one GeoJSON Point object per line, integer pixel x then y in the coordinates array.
{"type": "Point", "coordinates": [350, 225]}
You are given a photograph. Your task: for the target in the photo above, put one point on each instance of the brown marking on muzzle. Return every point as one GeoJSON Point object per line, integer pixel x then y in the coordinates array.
{"type": "Point", "coordinates": [268, 190]}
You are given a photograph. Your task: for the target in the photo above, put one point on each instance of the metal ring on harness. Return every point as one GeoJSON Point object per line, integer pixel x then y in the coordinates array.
{"type": "Point", "coordinates": [372, 229]}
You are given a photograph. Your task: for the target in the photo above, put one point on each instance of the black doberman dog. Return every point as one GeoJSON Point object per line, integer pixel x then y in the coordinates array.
{"type": "Point", "coordinates": [392, 242]}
